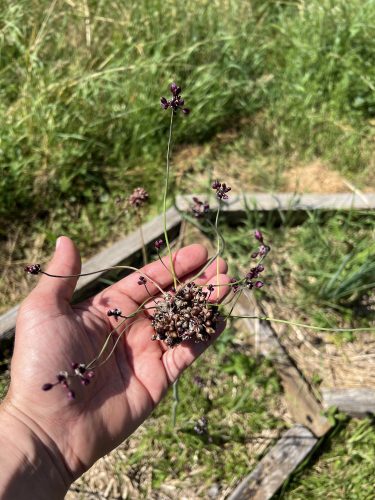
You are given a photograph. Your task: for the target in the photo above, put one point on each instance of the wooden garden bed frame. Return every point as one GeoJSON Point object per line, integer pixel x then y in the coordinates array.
{"type": "Point", "coordinates": [307, 412]}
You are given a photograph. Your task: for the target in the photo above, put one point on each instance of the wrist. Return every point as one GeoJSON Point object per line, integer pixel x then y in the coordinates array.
{"type": "Point", "coordinates": [31, 464]}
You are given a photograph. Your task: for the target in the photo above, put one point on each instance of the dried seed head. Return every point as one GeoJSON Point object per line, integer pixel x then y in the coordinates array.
{"type": "Point", "coordinates": [185, 316]}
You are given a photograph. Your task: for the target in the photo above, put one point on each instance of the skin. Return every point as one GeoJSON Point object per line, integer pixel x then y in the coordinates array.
{"type": "Point", "coordinates": [47, 441]}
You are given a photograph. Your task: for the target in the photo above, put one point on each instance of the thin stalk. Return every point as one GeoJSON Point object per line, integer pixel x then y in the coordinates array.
{"type": "Point", "coordinates": [103, 271]}
{"type": "Point", "coordinates": [176, 400]}
{"type": "Point", "coordinates": [144, 249]}
{"type": "Point", "coordinates": [304, 325]}
{"type": "Point", "coordinates": [165, 201]}
{"type": "Point", "coordinates": [217, 250]}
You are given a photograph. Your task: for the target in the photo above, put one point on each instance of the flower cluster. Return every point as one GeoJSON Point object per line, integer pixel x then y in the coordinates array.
{"type": "Point", "coordinates": [263, 248]}
{"type": "Point", "coordinates": [64, 379]}
{"type": "Point", "coordinates": [138, 197]}
{"type": "Point", "coordinates": [199, 208]}
{"type": "Point", "coordinates": [33, 269]}
{"type": "Point", "coordinates": [252, 275]}
{"type": "Point", "coordinates": [177, 102]}
{"type": "Point", "coordinates": [221, 190]}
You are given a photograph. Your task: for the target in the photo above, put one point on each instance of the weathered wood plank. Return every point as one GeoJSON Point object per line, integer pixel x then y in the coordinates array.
{"type": "Point", "coordinates": [355, 402]}
{"type": "Point", "coordinates": [303, 406]}
{"type": "Point", "coordinates": [277, 465]}
{"type": "Point", "coordinates": [112, 256]}
{"type": "Point", "coordinates": [286, 201]}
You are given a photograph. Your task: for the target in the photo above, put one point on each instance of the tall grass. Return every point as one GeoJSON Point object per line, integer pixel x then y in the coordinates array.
{"type": "Point", "coordinates": [80, 82]}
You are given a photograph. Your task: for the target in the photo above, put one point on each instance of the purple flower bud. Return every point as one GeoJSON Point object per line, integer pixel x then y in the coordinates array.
{"type": "Point", "coordinates": [164, 103]}
{"type": "Point", "coordinates": [47, 387]}
{"type": "Point", "coordinates": [114, 312]}
{"type": "Point", "coordinates": [90, 374]}
{"type": "Point", "coordinates": [186, 111]}
{"type": "Point", "coordinates": [61, 377]}
{"type": "Point", "coordinates": [260, 268]}
{"type": "Point", "coordinates": [254, 255]}
{"type": "Point", "coordinates": [142, 280]}
{"type": "Point", "coordinates": [33, 269]}
{"type": "Point", "coordinates": [216, 184]}
{"type": "Point", "coordinates": [175, 89]}
{"type": "Point", "coordinates": [158, 244]}
{"type": "Point", "coordinates": [258, 235]}
{"type": "Point", "coordinates": [210, 288]}
{"type": "Point", "coordinates": [263, 250]}
{"type": "Point", "coordinates": [74, 366]}
{"type": "Point", "coordinates": [259, 284]}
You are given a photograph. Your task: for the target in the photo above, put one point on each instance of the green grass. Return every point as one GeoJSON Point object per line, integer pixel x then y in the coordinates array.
{"type": "Point", "coordinates": [81, 122]}
{"type": "Point", "coordinates": [343, 467]}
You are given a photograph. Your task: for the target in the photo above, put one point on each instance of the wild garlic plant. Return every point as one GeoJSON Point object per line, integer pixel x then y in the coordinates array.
{"type": "Point", "coordinates": [185, 312]}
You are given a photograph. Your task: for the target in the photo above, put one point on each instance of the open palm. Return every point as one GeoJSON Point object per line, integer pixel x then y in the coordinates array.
{"type": "Point", "coordinates": [51, 334]}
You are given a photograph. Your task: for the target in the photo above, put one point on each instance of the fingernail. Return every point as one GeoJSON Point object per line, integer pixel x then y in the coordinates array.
{"type": "Point", "coordinates": [58, 242]}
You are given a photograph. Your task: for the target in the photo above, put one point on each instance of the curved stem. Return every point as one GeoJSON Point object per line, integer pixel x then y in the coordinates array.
{"type": "Point", "coordinates": [304, 325]}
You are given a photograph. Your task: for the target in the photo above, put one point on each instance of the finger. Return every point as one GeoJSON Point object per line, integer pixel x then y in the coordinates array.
{"type": "Point", "coordinates": [185, 261]}
{"type": "Point", "coordinates": [178, 359]}
{"type": "Point", "coordinates": [65, 261]}
{"type": "Point", "coordinates": [217, 266]}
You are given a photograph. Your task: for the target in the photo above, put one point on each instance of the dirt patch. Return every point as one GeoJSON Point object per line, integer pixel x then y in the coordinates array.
{"type": "Point", "coordinates": [315, 177]}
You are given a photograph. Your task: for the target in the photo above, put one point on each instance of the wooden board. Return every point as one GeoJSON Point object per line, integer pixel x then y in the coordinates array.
{"type": "Point", "coordinates": [302, 405]}
{"type": "Point", "coordinates": [112, 256]}
{"type": "Point", "coordinates": [286, 202]}
{"type": "Point", "coordinates": [277, 465]}
{"type": "Point", "coordinates": [356, 402]}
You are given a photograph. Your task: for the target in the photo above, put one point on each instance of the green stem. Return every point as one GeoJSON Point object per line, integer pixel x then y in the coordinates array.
{"type": "Point", "coordinates": [165, 202]}
{"type": "Point", "coordinates": [144, 249]}
{"type": "Point", "coordinates": [176, 400]}
{"type": "Point", "coordinates": [304, 325]}
{"type": "Point", "coordinates": [217, 250]}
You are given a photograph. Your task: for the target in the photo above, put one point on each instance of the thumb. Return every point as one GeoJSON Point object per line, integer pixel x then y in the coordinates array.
{"type": "Point", "coordinates": [65, 261]}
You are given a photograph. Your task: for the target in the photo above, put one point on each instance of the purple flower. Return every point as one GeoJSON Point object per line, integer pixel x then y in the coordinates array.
{"type": "Point", "coordinates": [158, 244]}
{"type": "Point", "coordinates": [176, 102]}
{"type": "Point", "coordinates": [142, 280]}
{"type": "Point", "coordinates": [47, 387]}
{"type": "Point", "coordinates": [263, 250]}
{"type": "Point", "coordinates": [258, 235]}
{"type": "Point", "coordinates": [199, 208]}
{"type": "Point", "coordinates": [259, 284]}
{"type": "Point", "coordinates": [221, 190]}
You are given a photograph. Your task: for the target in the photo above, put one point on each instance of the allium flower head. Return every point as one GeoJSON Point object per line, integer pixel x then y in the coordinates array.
{"type": "Point", "coordinates": [33, 269]}
{"type": "Point", "coordinates": [176, 102]}
{"type": "Point", "coordinates": [138, 197]}
{"type": "Point", "coordinates": [221, 190]}
{"type": "Point", "coordinates": [158, 244]}
{"type": "Point", "coordinates": [199, 208]}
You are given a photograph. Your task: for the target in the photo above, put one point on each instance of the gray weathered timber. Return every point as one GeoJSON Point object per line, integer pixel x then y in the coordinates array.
{"type": "Point", "coordinates": [112, 256]}
{"type": "Point", "coordinates": [355, 402]}
{"type": "Point", "coordinates": [277, 465]}
{"type": "Point", "coordinates": [286, 202]}
{"type": "Point", "coordinates": [302, 404]}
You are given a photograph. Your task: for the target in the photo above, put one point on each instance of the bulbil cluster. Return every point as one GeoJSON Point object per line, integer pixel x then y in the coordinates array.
{"type": "Point", "coordinates": [185, 316]}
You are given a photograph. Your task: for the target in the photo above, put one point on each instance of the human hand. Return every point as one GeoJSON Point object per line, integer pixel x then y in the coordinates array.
{"type": "Point", "coordinates": [51, 334]}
